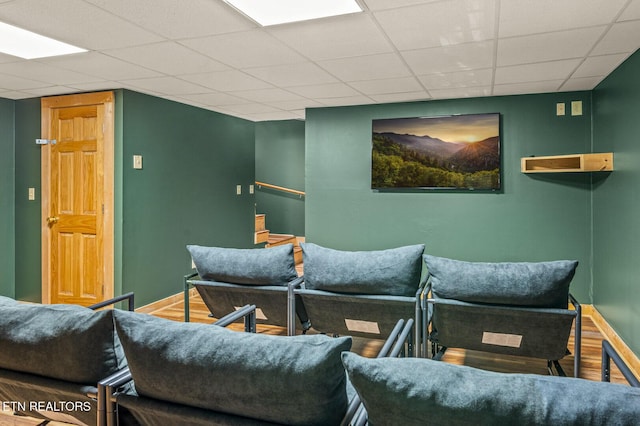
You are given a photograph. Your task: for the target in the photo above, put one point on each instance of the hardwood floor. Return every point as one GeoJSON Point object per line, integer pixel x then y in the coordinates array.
{"type": "Point", "coordinates": [589, 365]}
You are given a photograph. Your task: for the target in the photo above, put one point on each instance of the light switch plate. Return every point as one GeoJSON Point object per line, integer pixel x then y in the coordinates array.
{"type": "Point", "coordinates": [137, 162]}
{"type": "Point", "coordinates": [560, 108]}
{"type": "Point", "coordinates": [32, 194]}
{"type": "Point", "coordinates": [576, 107]}
{"type": "Point", "coordinates": [238, 189]}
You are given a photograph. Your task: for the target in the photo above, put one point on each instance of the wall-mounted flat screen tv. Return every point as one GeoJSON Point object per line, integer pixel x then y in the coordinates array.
{"type": "Point", "coordinates": [456, 152]}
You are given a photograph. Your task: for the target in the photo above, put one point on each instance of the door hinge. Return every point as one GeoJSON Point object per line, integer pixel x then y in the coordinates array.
{"type": "Point", "coordinates": [45, 141]}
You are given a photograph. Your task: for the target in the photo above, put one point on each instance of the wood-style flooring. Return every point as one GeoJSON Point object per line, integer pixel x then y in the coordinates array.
{"type": "Point", "coordinates": [589, 366]}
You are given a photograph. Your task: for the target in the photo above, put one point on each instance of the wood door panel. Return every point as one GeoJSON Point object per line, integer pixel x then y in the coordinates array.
{"type": "Point", "coordinates": [73, 268]}
{"type": "Point", "coordinates": [78, 198]}
{"type": "Point", "coordinates": [88, 199]}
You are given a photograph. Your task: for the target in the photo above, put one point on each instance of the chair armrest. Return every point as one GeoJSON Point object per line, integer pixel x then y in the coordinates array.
{"type": "Point", "coordinates": [107, 389]}
{"type": "Point", "coordinates": [296, 283]}
{"type": "Point", "coordinates": [187, 285]}
{"type": "Point", "coordinates": [291, 304]}
{"type": "Point", "coordinates": [127, 296]}
{"type": "Point", "coordinates": [393, 345]}
{"type": "Point", "coordinates": [608, 354]}
{"type": "Point", "coordinates": [577, 346]}
{"type": "Point", "coordinates": [248, 312]}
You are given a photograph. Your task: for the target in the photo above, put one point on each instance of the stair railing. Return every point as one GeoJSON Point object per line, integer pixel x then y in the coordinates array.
{"type": "Point", "coordinates": [280, 188]}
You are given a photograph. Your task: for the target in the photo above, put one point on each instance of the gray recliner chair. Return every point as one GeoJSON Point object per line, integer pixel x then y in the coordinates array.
{"type": "Point", "coordinates": [360, 293]}
{"type": "Point", "coordinates": [507, 308]}
{"type": "Point", "coordinates": [228, 278]}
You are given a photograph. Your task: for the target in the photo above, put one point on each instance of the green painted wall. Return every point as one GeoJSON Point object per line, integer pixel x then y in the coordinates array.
{"type": "Point", "coordinates": [186, 192]}
{"type": "Point", "coordinates": [534, 218]}
{"type": "Point", "coordinates": [27, 226]}
{"type": "Point", "coordinates": [7, 198]}
{"type": "Point", "coordinates": [616, 230]}
{"type": "Point", "coordinates": [280, 161]}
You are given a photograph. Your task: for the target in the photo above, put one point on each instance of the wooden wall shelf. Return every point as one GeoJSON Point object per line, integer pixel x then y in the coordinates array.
{"type": "Point", "coordinates": [600, 162]}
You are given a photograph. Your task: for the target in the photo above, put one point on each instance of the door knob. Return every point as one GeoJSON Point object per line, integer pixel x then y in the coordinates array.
{"type": "Point", "coordinates": [52, 219]}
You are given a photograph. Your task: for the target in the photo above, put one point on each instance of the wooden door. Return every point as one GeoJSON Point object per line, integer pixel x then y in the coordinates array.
{"type": "Point", "coordinates": [77, 198]}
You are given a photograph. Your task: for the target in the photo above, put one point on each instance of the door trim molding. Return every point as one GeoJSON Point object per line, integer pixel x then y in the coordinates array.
{"type": "Point", "coordinates": [98, 98]}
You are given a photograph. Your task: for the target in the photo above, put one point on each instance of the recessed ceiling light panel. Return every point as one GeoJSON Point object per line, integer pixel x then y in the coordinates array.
{"type": "Point", "coordinates": [28, 45]}
{"type": "Point", "coordinates": [273, 12]}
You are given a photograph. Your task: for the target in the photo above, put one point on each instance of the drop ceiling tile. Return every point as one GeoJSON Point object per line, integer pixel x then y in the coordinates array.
{"type": "Point", "coordinates": [215, 99]}
{"type": "Point", "coordinates": [245, 49]}
{"type": "Point", "coordinates": [631, 12]}
{"type": "Point", "coordinates": [167, 57]}
{"type": "Point", "coordinates": [557, 70]}
{"type": "Point", "coordinates": [251, 108]}
{"type": "Point", "coordinates": [12, 82]}
{"type": "Point", "coordinates": [166, 85]}
{"type": "Point", "coordinates": [227, 81]}
{"type": "Point", "coordinates": [401, 97]}
{"type": "Point", "coordinates": [439, 24]}
{"type": "Point", "coordinates": [76, 22]}
{"type": "Point", "coordinates": [392, 4]}
{"type": "Point", "coordinates": [332, 90]}
{"type": "Point", "coordinates": [549, 86]}
{"type": "Point", "coordinates": [182, 100]}
{"type": "Point", "coordinates": [295, 105]}
{"type": "Point", "coordinates": [599, 66]}
{"type": "Point", "coordinates": [475, 78]}
{"type": "Point", "coordinates": [5, 59]}
{"type": "Point", "coordinates": [176, 19]}
{"type": "Point", "coordinates": [373, 67]}
{"type": "Point", "coordinates": [548, 47]}
{"type": "Point", "coordinates": [621, 38]}
{"type": "Point", "coordinates": [346, 101]}
{"type": "Point", "coordinates": [339, 37]}
{"type": "Point", "coordinates": [102, 66]}
{"type": "Point", "coordinates": [51, 91]}
{"type": "Point", "coordinates": [582, 83]}
{"type": "Point", "coordinates": [448, 59]}
{"type": "Point", "coordinates": [14, 94]}
{"type": "Point", "coordinates": [300, 74]}
{"type": "Point", "coordinates": [460, 92]}
{"type": "Point", "coordinates": [522, 17]}
{"type": "Point", "coordinates": [267, 95]}
{"type": "Point", "coordinates": [97, 86]}
{"type": "Point", "coordinates": [388, 85]}
{"type": "Point", "coordinates": [43, 72]}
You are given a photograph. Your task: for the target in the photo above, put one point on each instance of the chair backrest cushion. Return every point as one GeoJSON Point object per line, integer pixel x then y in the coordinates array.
{"type": "Point", "coordinates": [263, 266]}
{"type": "Point", "coordinates": [418, 391]}
{"type": "Point", "coordinates": [394, 272]}
{"type": "Point", "coordinates": [541, 284]}
{"type": "Point", "coordinates": [7, 301]}
{"type": "Point", "coordinates": [290, 380]}
{"type": "Point", "coordinates": [64, 342]}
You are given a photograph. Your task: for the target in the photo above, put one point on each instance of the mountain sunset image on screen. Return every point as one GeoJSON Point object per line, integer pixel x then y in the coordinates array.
{"type": "Point", "coordinates": [456, 152]}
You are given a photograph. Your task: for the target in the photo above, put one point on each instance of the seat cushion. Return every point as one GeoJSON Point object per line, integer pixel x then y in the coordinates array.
{"type": "Point", "coordinates": [296, 380]}
{"type": "Point", "coordinates": [65, 342]}
{"type": "Point", "coordinates": [394, 272]}
{"type": "Point", "coordinates": [414, 391]}
{"type": "Point", "coordinates": [272, 266]}
{"type": "Point", "coordinates": [541, 284]}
